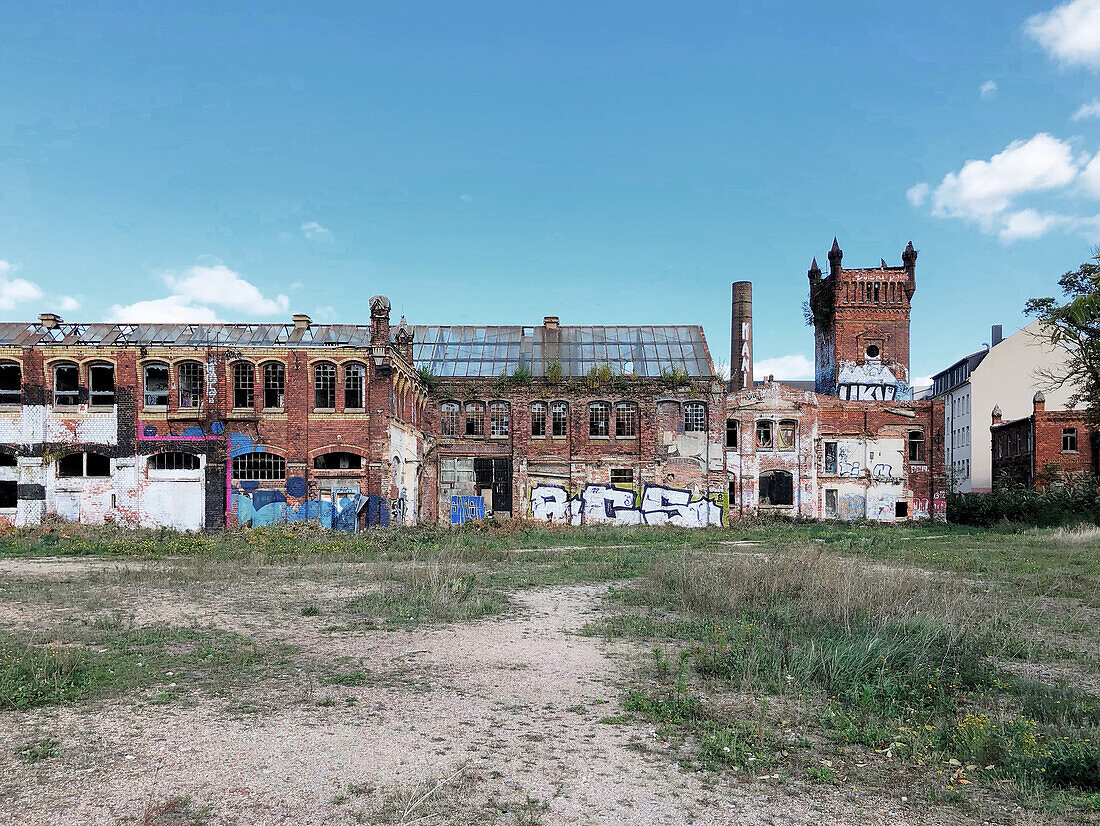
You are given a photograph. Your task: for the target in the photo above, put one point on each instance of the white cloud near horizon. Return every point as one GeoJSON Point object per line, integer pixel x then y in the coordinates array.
{"type": "Point", "coordinates": [792, 367]}
{"type": "Point", "coordinates": [195, 293]}
{"type": "Point", "coordinates": [15, 291]}
{"type": "Point", "coordinates": [1069, 33]}
{"type": "Point", "coordinates": [67, 303]}
{"type": "Point", "coordinates": [315, 232]}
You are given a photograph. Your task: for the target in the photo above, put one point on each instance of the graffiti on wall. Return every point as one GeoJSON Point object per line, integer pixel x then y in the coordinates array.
{"type": "Point", "coordinates": [605, 504]}
{"type": "Point", "coordinates": [466, 509]}
{"type": "Point", "coordinates": [851, 506]}
{"type": "Point", "coordinates": [870, 381]}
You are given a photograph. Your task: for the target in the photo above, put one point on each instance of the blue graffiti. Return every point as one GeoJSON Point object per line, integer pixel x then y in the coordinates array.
{"type": "Point", "coordinates": [240, 444]}
{"type": "Point", "coordinates": [296, 486]}
{"type": "Point", "coordinates": [378, 511]}
{"type": "Point", "coordinates": [466, 508]}
{"type": "Point", "coordinates": [149, 430]}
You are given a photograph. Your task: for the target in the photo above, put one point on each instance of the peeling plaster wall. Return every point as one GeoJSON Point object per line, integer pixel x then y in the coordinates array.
{"type": "Point", "coordinates": [36, 423]}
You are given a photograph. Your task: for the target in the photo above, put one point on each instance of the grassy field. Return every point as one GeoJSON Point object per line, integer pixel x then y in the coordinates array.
{"type": "Point", "coordinates": [958, 664]}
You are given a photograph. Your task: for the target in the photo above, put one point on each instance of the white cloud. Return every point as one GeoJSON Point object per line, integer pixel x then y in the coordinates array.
{"type": "Point", "coordinates": [795, 366]}
{"type": "Point", "coordinates": [988, 89]}
{"type": "Point", "coordinates": [15, 290]}
{"type": "Point", "coordinates": [918, 194]}
{"type": "Point", "coordinates": [173, 309]}
{"type": "Point", "coordinates": [315, 232]}
{"type": "Point", "coordinates": [1089, 179]}
{"type": "Point", "coordinates": [466, 198]}
{"type": "Point", "coordinates": [982, 190]}
{"type": "Point", "coordinates": [1088, 110]}
{"type": "Point", "coordinates": [66, 303]}
{"type": "Point", "coordinates": [223, 287]}
{"type": "Point", "coordinates": [1070, 33]}
{"type": "Point", "coordinates": [1028, 223]}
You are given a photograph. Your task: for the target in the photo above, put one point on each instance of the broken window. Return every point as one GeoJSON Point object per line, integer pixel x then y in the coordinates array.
{"type": "Point", "coordinates": [156, 385]}
{"type": "Point", "coordinates": [101, 385]}
{"type": "Point", "coordinates": [624, 477]}
{"type": "Point", "coordinates": [1069, 440]}
{"type": "Point", "coordinates": [448, 418]}
{"type": "Point", "coordinates": [732, 489]}
{"type": "Point", "coordinates": [626, 420]}
{"type": "Point", "coordinates": [7, 460]}
{"type": "Point", "coordinates": [173, 460]}
{"type": "Point", "coordinates": [9, 494]}
{"type": "Point", "coordinates": [354, 382]}
{"type": "Point", "coordinates": [559, 419]}
{"type": "Point", "coordinates": [66, 385]}
{"type": "Point", "coordinates": [191, 384]}
{"type": "Point", "coordinates": [916, 446]}
{"type": "Point", "coordinates": [259, 467]}
{"type": "Point", "coordinates": [274, 385]}
{"type": "Point", "coordinates": [498, 419]}
{"type": "Point", "coordinates": [324, 386]}
{"type": "Point", "coordinates": [901, 510]}
{"type": "Point", "coordinates": [695, 417]}
{"type": "Point", "coordinates": [475, 419]}
{"type": "Point", "coordinates": [764, 435]}
{"type": "Point", "coordinates": [776, 488]}
{"type": "Point", "coordinates": [828, 463]}
{"type": "Point", "coordinates": [599, 420]}
{"type": "Point", "coordinates": [731, 433]}
{"type": "Point", "coordinates": [83, 464]}
{"type": "Point", "coordinates": [338, 461]}
{"type": "Point", "coordinates": [786, 435]}
{"type": "Point", "coordinates": [831, 503]}
{"type": "Point", "coordinates": [538, 419]}
{"type": "Point", "coordinates": [244, 385]}
{"type": "Point", "coordinates": [11, 383]}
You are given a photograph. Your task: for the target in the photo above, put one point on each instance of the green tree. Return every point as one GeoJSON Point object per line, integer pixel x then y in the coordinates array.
{"type": "Point", "coordinates": [1073, 325]}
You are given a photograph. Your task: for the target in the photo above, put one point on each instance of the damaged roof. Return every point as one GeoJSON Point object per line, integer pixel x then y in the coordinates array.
{"type": "Point", "coordinates": [449, 351]}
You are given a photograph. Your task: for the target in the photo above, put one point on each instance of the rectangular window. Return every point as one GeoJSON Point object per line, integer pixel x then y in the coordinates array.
{"type": "Point", "coordinates": [66, 385]}
{"type": "Point", "coordinates": [101, 385]}
{"type": "Point", "coordinates": [190, 378]}
{"type": "Point", "coordinates": [559, 420]}
{"type": "Point", "coordinates": [9, 494]}
{"type": "Point", "coordinates": [538, 420]}
{"type": "Point", "coordinates": [916, 447]}
{"type": "Point", "coordinates": [156, 385]}
{"type": "Point", "coordinates": [475, 419]}
{"type": "Point", "coordinates": [732, 491]}
{"type": "Point", "coordinates": [274, 386]}
{"type": "Point", "coordinates": [731, 433]}
{"type": "Point", "coordinates": [1069, 440]}
{"type": "Point", "coordinates": [11, 384]}
{"type": "Point", "coordinates": [764, 435]}
{"type": "Point", "coordinates": [324, 387]}
{"type": "Point", "coordinates": [498, 419]}
{"type": "Point", "coordinates": [786, 435]}
{"type": "Point", "coordinates": [244, 386]}
{"type": "Point", "coordinates": [599, 420]}
{"type": "Point", "coordinates": [626, 420]}
{"type": "Point", "coordinates": [901, 510]}
{"type": "Point", "coordinates": [624, 477]}
{"type": "Point", "coordinates": [695, 417]}
{"type": "Point", "coordinates": [354, 380]}
{"type": "Point", "coordinates": [828, 464]}
{"type": "Point", "coordinates": [448, 412]}
{"type": "Point", "coordinates": [831, 510]}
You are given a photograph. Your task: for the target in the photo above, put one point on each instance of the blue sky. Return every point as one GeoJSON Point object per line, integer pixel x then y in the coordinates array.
{"type": "Point", "coordinates": [607, 162]}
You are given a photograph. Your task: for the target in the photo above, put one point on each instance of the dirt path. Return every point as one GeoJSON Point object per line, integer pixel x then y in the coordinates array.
{"type": "Point", "coordinates": [517, 700]}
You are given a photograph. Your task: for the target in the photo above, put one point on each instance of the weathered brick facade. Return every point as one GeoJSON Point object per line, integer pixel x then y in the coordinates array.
{"type": "Point", "coordinates": [1042, 447]}
{"type": "Point", "coordinates": [208, 425]}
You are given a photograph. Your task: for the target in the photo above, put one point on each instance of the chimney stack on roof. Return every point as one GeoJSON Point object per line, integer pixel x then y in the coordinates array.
{"type": "Point", "coordinates": [997, 336]}
{"type": "Point", "coordinates": [302, 321]}
{"type": "Point", "coordinates": [51, 321]}
{"type": "Point", "coordinates": [550, 321]}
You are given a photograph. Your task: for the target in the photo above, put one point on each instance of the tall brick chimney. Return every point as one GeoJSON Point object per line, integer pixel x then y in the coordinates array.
{"type": "Point", "coordinates": [379, 320]}
{"type": "Point", "coordinates": [741, 337]}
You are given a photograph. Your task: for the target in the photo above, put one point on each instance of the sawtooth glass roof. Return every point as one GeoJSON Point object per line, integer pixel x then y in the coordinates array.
{"type": "Point", "coordinates": [449, 351]}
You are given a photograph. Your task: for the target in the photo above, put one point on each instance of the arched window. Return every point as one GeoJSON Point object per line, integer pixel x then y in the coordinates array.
{"type": "Point", "coordinates": [354, 382]}
{"type": "Point", "coordinates": [11, 383]}
{"type": "Point", "coordinates": [776, 489]}
{"type": "Point", "coordinates": [259, 467]}
{"type": "Point", "coordinates": [66, 385]}
{"type": "Point", "coordinates": [173, 460]}
{"type": "Point", "coordinates": [244, 386]}
{"type": "Point", "coordinates": [156, 384]}
{"type": "Point", "coordinates": [338, 460]}
{"type": "Point", "coordinates": [101, 385]}
{"type": "Point", "coordinates": [274, 385]}
{"type": "Point", "coordinates": [695, 417]}
{"type": "Point", "coordinates": [785, 434]}
{"type": "Point", "coordinates": [475, 419]}
{"type": "Point", "coordinates": [559, 420]}
{"type": "Point", "coordinates": [626, 420]}
{"type": "Point", "coordinates": [324, 386]}
{"type": "Point", "coordinates": [538, 419]}
{"type": "Point", "coordinates": [448, 418]}
{"type": "Point", "coordinates": [190, 384]}
{"type": "Point", "coordinates": [599, 419]}
{"type": "Point", "coordinates": [499, 415]}
{"type": "Point", "coordinates": [83, 464]}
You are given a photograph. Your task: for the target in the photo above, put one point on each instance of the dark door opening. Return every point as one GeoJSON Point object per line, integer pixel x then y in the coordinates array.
{"type": "Point", "coordinates": [495, 473]}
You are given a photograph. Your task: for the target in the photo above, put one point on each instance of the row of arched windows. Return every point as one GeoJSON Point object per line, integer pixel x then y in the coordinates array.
{"type": "Point", "coordinates": [606, 420]}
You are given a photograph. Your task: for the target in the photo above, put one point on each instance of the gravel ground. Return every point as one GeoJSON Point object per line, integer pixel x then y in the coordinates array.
{"type": "Point", "coordinates": [515, 700]}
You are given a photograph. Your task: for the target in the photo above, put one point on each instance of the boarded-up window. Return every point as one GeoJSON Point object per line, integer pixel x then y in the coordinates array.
{"type": "Point", "coordinates": [623, 477]}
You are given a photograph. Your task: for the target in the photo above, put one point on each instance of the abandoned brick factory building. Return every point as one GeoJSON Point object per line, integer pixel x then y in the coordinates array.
{"type": "Point", "coordinates": [202, 426]}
